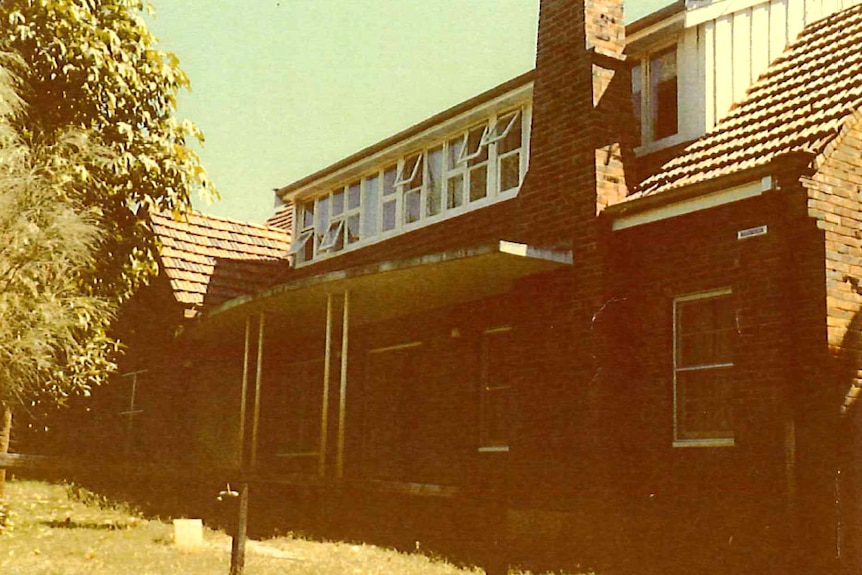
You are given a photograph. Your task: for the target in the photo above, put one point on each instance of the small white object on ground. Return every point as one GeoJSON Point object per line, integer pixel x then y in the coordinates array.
{"type": "Point", "coordinates": [188, 533]}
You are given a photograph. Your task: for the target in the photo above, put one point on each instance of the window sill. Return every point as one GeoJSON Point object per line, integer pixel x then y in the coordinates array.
{"type": "Point", "coordinates": [495, 449]}
{"type": "Point", "coordinates": [718, 442]}
{"type": "Point", "coordinates": [657, 145]}
{"type": "Point", "coordinates": [407, 228]}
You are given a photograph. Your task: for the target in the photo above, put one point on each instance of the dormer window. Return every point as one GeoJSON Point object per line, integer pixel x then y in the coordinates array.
{"type": "Point", "coordinates": [468, 169]}
{"type": "Point", "coordinates": [654, 95]}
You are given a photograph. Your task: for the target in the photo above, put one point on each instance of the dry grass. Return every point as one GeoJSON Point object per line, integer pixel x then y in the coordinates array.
{"type": "Point", "coordinates": [51, 533]}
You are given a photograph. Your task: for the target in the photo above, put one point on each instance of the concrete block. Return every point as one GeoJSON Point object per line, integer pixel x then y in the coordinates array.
{"type": "Point", "coordinates": [188, 533]}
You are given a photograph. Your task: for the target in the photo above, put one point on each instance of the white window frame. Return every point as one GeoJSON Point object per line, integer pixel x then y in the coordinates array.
{"type": "Point", "coordinates": [492, 134]}
{"type": "Point", "coordinates": [353, 212]}
{"type": "Point", "coordinates": [678, 441]}
{"type": "Point", "coordinates": [330, 239]}
{"type": "Point", "coordinates": [648, 142]}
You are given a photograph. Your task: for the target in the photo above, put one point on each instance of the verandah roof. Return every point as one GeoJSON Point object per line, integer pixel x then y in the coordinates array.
{"type": "Point", "coordinates": [397, 288]}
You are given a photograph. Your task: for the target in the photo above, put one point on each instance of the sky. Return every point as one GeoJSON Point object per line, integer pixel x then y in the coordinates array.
{"type": "Point", "coordinates": [283, 88]}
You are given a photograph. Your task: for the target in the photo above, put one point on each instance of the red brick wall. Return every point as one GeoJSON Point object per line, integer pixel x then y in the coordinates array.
{"type": "Point", "coordinates": [577, 103]}
{"type": "Point", "coordinates": [489, 224]}
{"type": "Point", "coordinates": [834, 200]}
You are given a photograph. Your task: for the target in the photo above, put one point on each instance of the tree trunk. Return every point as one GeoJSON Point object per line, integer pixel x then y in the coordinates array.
{"type": "Point", "coordinates": [5, 436]}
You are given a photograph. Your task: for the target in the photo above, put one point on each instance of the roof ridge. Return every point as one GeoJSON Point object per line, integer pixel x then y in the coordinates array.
{"type": "Point", "coordinates": [225, 219]}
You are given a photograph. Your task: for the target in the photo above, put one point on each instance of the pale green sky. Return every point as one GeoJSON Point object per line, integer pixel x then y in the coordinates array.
{"type": "Point", "coordinates": [282, 88]}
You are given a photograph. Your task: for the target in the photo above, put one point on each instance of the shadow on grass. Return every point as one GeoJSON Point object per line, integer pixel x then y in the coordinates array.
{"type": "Point", "coordinates": [69, 524]}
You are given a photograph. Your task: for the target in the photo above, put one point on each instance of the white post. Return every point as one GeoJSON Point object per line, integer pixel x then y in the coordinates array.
{"type": "Point", "coordinates": [258, 383]}
{"type": "Point", "coordinates": [342, 395]}
{"type": "Point", "coordinates": [324, 408]}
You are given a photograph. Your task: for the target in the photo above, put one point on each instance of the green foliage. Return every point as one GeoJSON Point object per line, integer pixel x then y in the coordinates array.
{"type": "Point", "coordinates": [93, 65]}
{"type": "Point", "coordinates": [53, 340]}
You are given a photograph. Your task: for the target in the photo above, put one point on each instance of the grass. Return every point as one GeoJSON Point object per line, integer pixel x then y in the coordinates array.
{"type": "Point", "coordinates": [60, 530]}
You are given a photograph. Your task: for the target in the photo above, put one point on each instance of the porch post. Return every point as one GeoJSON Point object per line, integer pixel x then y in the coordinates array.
{"type": "Point", "coordinates": [324, 409]}
{"type": "Point", "coordinates": [244, 393]}
{"type": "Point", "coordinates": [237, 550]}
{"type": "Point", "coordinates": [258, 383]}
{"type": "Point", "coordinates": [342, 395]}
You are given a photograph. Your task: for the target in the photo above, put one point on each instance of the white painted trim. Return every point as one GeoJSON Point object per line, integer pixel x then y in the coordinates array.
{"type": "Point", "coordinates": [655, 28]}
{"type": "Point", "coordinates": [656, 145]}
{"type": "Point", "coordinates": [493, 194]}
{"type": "Point", "coordinates": [698, 15]}
{"type": "Point", "coordinates": [519, 97]}
{"type": "Point", "coordinates": [494, 449]}
{"type": "Point", "coordinates": [395, 347]}
{"type": "Point", "coordinates": [718, 442]}
{"type": "Point", "coordinates": [723, 197]}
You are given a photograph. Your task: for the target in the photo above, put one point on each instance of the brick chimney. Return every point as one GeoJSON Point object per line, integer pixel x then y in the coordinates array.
{"type": "Point", "coordinates": [581, 105]}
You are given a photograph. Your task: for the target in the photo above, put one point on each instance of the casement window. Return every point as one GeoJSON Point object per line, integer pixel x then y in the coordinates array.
{"type": "Point", "coordinates": [131, 409]}
{"type": "Point", "coordinates": [466, 170]}
{"type": "Point", "coordinates": [296, 409]}
{"type": "Point", "coordinates": [302, 248]}
{"type": "Point", "coordinates": [495, 389]}
{"type": "Point", "coordinates": [654, 95]}
{"type": "Point", "coordinates": [704, 331]}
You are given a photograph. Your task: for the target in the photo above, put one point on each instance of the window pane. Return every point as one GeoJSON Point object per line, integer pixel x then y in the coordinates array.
{"type": "Point", "coordinates": [411, 172]}
{"type": "Point", "coordinates": [663, 93]}
{"type": "Point", "coordinates": [705, 331]}
{"type": "Point", "coordinates": [372, 188]}
{"type": "Point", "coordinates": [307, 215]}
{"type": "Point", "coordinates": [510, 172]}
{"type": "Point", "coordinates": [496, 389]}
{"type": "Point", "coordinates": [455, 191]}
{"type": "Point", "coordinates": [353, 229]}
{"type": "Point", "coordinates": [478, 183]}
{"type": "Point", "coordinates": [322, 215]}
{"type": "Point", "coordinates": [475, 147]}
{"type": "Point", "coordinates": [389, 214]}
{"type": "Point", "coordinates": [435, 181]}
{"type": "Point", "coordinates": [389, 177]}
{"type": "Point", "coordinates": [307, 253]}
{"type": "Point", "coordinates": [456, 146]}
{"type": "Point", "coordinates": [334, 239]}
{"type": "Point", "coordinates": [705, 404]}
{"type": "Point", "coordinates": [412, 206]}
{"type": "Point", "coordinates": [512, 141]}
{"type": "Point", "coordinates": [296, 407]}
{"type": "Point", "coordinates": [495, 419]}
{"type": "Point", "coordinates": [338, 203]}
{"type": "Point", "coordinates": [353, 196]}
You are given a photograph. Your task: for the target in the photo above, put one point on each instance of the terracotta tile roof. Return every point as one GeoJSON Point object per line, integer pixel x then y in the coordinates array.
{"type": "Point", "coordinates": [282, 219]}
{"type": "Point", "coordinates": [209, 260]}
{"type": "Point", "coordinates": [799, 104]}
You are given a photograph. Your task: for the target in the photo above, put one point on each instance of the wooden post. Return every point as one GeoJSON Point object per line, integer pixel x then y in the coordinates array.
{"type": "Point", "coordinates": [237, 551]}
{"type": "Point", "coordinates": [258, 384]}
{"type": "Point", "coordinates": [342, 395]}
{"type": "Point", "coordinates": [324, 409]}
{"type": "Point", "coordinates": [244, 393]}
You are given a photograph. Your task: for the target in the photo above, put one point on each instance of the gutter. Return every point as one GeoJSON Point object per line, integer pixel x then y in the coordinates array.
{"type": "Point", "coordinates": [762, 176]}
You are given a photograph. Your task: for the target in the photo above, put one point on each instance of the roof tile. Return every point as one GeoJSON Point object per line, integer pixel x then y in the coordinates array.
{"type": "Point", "coordinates": [800, 103]}
{"type": "Point", "coordinates": [209, 260]}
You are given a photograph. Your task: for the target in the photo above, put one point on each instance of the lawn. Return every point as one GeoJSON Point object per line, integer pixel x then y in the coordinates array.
{"type": "Point", "coordinates": [58, 530]}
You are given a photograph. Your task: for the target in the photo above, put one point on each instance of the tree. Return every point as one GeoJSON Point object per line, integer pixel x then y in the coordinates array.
{"type": "Point", "coordinates": [85, 67]}
{"type": "Point", "coordinates": [93, 65]}
{"type": "Point", "coordinates": [53, 339]}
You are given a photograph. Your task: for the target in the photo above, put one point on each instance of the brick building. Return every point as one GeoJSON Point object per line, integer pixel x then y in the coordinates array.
{"type": "Point", "coordinates": [605, 314]}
